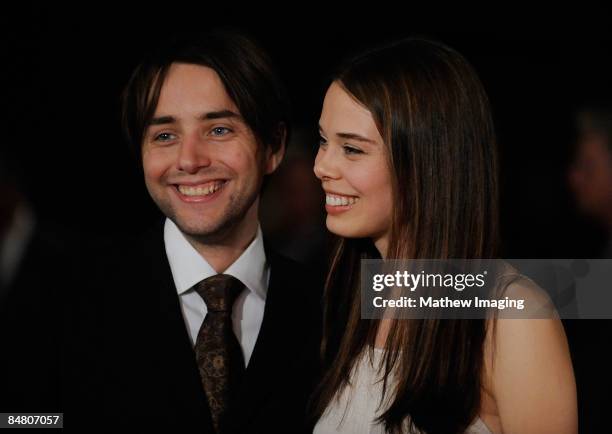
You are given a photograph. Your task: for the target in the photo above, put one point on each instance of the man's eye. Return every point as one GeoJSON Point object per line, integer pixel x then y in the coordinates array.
{"type": "Point", "coordinates": [220, 131]}
{"type": "Point", "coordinates": [349, 150]}
{"type": "Point", "coordinates": [164, 137]}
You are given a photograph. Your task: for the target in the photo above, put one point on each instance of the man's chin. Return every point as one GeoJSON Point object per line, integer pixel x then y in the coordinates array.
{"type": "Point", "coordinates": [210, 227]}
{"type": "Point", "coordinates": [204, 231]}
{"type": "Point", "coordinates": [196, 230]}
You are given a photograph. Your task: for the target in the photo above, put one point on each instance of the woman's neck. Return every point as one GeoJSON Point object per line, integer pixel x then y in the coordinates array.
{"type": "Point", "coordinates": [382, 243]}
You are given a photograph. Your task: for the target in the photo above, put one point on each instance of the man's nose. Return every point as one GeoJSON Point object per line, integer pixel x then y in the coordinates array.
{"type": "Point", "coordinates": [193, 154]}
{"type": "Point", "coordinates": [325, 164]}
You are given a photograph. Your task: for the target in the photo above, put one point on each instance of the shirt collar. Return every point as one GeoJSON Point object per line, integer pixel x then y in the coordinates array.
{"type": "Point", "coordinates": [189, 267]}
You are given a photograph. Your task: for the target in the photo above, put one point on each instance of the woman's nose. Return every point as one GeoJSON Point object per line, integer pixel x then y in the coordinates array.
{"type": "Point", "coordinates": [325, 167]}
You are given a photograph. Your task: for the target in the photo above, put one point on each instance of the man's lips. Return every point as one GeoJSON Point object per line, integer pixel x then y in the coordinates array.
{"type": "Point", "coordinates": [199, 192]}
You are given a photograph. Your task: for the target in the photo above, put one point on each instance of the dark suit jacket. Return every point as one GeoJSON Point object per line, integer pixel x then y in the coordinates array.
{"type": "Point", "coordinates": [134, 365]}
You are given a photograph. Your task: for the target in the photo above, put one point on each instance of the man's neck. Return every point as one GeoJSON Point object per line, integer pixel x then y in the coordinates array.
{"type": "Point", "coordinates": [225, 251]}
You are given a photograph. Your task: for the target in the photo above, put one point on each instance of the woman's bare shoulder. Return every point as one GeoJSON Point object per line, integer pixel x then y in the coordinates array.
{"type": "Point", "coordinates": [528, 369]}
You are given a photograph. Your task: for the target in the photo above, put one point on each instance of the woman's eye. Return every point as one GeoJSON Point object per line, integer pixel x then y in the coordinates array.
{"type": "Point", "coordinates": [322, 141]}
{"type": "Point", "coordinates": [220, 131]}
{"type": "Point", "coordinates": [349, 150]}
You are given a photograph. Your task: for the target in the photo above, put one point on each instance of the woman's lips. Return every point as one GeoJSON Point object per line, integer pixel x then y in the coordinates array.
{"type": "Point", "coordinates": [337, 203]}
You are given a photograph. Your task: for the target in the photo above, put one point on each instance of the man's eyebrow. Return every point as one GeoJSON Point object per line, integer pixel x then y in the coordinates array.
{"type": "Point", "coordinates": [221, 114]}
{"type": "Point", "coordinates": [162, 120]}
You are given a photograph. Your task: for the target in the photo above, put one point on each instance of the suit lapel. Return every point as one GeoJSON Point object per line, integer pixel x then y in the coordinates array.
{"type": "Point", "coordinates": [272, 362]}
{"type": "Point", "coordinates": [177, 362]}
{"type": "Point", "coordinates": [272, 349]}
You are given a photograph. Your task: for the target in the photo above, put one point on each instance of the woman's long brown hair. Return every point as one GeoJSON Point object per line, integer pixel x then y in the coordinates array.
{"type": "Point", "coordinates": [433, 114]}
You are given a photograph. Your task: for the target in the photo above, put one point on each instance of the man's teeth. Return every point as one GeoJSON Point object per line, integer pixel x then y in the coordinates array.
{"type": "Point", "coordinates": [334, 200]}
{"type": "Point", "coordinates": [199, 191]}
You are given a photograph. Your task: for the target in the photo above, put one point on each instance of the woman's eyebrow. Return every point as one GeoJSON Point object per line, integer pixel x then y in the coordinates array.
{"type": "Point", "coordinates": [353, 136]}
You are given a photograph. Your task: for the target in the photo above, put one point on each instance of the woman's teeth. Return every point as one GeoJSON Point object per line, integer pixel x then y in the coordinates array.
{"type": "Point", "coordinates": [334, 200]}
{"type": "Point", "coordinates": [200, 190]}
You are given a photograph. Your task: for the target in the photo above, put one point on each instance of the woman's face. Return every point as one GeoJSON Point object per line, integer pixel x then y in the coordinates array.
{"type": "Point", "coordinates": [352, 166]}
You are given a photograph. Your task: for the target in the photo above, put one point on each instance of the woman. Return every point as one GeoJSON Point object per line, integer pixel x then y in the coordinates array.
{"type": "Point", "coordinates": [407, 159]}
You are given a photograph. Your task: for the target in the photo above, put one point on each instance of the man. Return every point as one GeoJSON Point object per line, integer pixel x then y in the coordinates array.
{"type": "Point", "coordinates": [33, 258]}
{"type": "Point", "coordinates": [204, 327]}
{"type": "Point", "coordinates": [590, 175]}
{"type": "Point", "coordinates": [590, 178]}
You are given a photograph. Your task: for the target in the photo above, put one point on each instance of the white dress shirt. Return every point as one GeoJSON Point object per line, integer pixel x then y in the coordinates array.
{"type": "Point", "coordinates": [189, 267]}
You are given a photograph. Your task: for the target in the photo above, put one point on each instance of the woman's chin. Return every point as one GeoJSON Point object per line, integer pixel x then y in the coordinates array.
{"type": "Point", "coordinates": [344, 230]}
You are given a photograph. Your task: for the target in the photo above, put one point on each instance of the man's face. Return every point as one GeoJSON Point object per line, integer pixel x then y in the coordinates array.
{"type": "Point", "coordinates": [202, 163]}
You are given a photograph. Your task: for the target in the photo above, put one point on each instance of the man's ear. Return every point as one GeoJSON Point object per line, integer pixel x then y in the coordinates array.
{"type": "Point", "coordinates": [274, 158]}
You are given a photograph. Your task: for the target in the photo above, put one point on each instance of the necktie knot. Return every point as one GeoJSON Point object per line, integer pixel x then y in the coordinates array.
{"type": "Point", "coordinates": [219, 292]}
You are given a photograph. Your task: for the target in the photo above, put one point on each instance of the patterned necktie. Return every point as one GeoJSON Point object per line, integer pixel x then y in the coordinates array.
{"type": "Point", "coordinates": [218, 352]}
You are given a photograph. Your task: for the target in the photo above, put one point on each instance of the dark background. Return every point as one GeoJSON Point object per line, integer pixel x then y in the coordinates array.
{"type": "Point", "coordinates": [65, 70]}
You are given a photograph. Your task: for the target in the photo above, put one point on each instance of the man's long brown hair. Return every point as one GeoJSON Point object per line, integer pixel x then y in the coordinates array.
{"type": "Point", "coordinates": [244, 68]}
{"type": "Point", "coordinates": [433, 114]}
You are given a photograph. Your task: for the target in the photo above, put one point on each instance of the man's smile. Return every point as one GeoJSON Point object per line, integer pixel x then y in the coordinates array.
{"type": "Point", "coordinates": [199, 192]}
